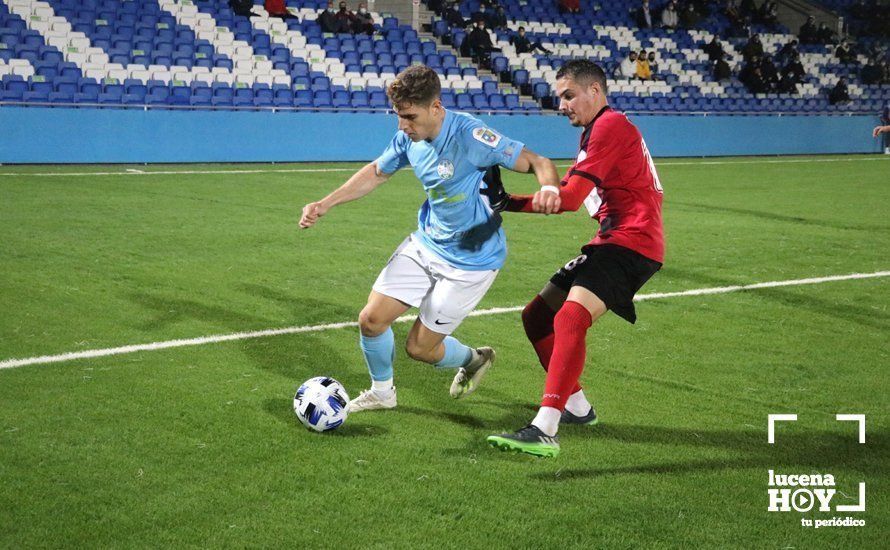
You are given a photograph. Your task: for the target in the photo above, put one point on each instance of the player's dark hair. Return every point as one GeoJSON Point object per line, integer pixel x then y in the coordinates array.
{"type": "Point", "coordinates": [583, 71]}
{"type": "Point", "coordinates": [417, 85]}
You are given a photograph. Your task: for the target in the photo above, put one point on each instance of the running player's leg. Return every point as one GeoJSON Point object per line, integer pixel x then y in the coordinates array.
{"type": "Point", "coordinates": [454, 296]}
{"type": "Point", "coordinates": [581, 309]}
{"type": "Point", "coordinates": [537, 319]}
{"type": "Point", "coordinates": [401, 284]}
{"type": "Point", "coordinates": [378, 347]}
{"type": "Point", "coordinates": [607, 280]}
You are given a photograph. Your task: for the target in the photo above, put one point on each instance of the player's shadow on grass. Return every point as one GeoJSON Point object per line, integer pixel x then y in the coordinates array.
{"type": "Point", "coordinates": [774, 217]}
{"type": "Point", "coordinates": [169, 310]}
{"type": "Point", "coordinates": [282, 410]}
{"type": "Point", "coordinates": [455, 418]}
{"type": "Point", "coordinates": [796, 299]}
{"type": "Point", "coordinates": [304, 310]}
{"type": "Point", "coordinates": [298, 356]}
{"type": "Point", "coordinates": [697, 278]}
{"type": "Point", "coordinates": [831, 310]}
{"type": "Point", "coordinates": [805, 451]}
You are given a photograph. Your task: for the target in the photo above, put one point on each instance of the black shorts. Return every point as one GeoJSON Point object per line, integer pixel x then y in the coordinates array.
{"type": "Point", "coordinates": [612, 272]}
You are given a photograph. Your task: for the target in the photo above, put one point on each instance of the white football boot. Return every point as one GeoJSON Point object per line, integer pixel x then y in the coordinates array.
{"type": "Point", "coordinates": [370, 400]}
{"type": "Point", "coordinates": [467, 378]}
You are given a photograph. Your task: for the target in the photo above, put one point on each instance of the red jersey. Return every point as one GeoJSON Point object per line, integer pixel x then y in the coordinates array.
{"type": "Point", "coordinates": [615, 178]}
{"type": "Point", "coordinates": [275, 7]}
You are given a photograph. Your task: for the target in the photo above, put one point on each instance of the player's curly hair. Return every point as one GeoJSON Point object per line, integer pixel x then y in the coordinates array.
{"type": "Point", "coordinates": [417, 85]}
{"type": "Point", "coordinates": [580, 70]}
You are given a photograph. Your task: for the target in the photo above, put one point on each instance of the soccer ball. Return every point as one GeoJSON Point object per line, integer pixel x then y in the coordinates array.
{"type": "Point", "coordinates": [320, 403]}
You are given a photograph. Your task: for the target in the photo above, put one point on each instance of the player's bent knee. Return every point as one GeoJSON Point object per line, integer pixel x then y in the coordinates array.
{"type": "Point", "coordinates": [370, 323]}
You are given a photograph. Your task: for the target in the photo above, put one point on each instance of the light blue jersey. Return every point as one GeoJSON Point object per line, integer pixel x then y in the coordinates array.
{"type": "Point", "coordinates": [456, 222]}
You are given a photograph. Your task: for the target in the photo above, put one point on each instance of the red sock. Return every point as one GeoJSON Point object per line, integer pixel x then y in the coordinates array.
{"type": "Point", "coordinates": [569, 351]}
{"type": "Point", "coordinates": [537, 318]}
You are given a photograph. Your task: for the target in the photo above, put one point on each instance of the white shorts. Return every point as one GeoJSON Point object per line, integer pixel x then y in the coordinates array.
{"type": "Point", "coordinates": [444, 294]}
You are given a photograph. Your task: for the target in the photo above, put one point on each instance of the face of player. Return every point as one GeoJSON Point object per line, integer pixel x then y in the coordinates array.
{"type": "Point", "coordinates": [421, 122]}
{"type": "Point", "coordinates": [578, 102]}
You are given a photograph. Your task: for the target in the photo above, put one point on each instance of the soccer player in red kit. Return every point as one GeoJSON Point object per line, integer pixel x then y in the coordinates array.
{"type": "Point", "coordinates": [615, 178]}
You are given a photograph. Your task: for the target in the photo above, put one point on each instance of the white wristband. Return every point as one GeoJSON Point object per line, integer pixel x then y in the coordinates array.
{"type": "Point", "coordinates": [550, 188]}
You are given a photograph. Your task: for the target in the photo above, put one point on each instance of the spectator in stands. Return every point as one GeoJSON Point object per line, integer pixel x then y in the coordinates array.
{"type": "Point", "coordinates": [436, 6]}
{"type": "Point", "coordinates": [884, 130]}
{"type": "Point", "coordinates": [479, 15]}
{"type": "Point", "coordinates": [479, 44]}
{"type": "Point", "coordinates": [860, 10]}
{"type": "Point", "coordinates": [769, 72]}
{"type": "Point", "coordinates": [795, 70]}
{"type": "Point", "coordinates": [788, 51]}
{"type": "Point", "coordinates": [628, 68]}
{"type": "Point", "coordinates": [454, 18]}
{"type": "Point", "coordinates": [669, 16]}
{"type": "Point", "coordinates": [243, 8]}
{"type": "Point", "coordinates": [722, 71]}
{"type": "Point", "coordinates": [499, 19]}
{"type": "Point", "coordinates": [328, 21]}
{"type": "Point", "coordinates": [787, 85]}
{"type": "Point", "coordinates": [748, 70]}
{"type": "Point", "coordinates": [737, 21]}
{"type": "Point", "coordinates": [753, 48]}
{"type": "Point", "coordinates": [825, 35]}
{"type": "Point", "coordinates": [644, 16]}
{"type": "Point", "coordinates": [363, 22]}
{"type": "Point", "coordinates": [840, 93]}
{"type": "Point", "coordinates": [748, 9]}
{"type": "Point", "coordinates": [714, 49]}
{"type": "Point", "coordinates": [277, 8]}
{"type": "Point", "coordinates": [653, 65]}
{"type": "Point", "coordinates": [769, 14]}
{"type": "Point", "coordinates": [755, 82]}
{"type": "Point", "coordinates": [809, 33]}
{"type": "Point", "coordinates": [345, 18]}
{"type": "Point", "coordinates": [844, 54]}
{"type": "Point", "coordinates": [643, 70]}
{"type": "Point", "coordinates": [524, 45]}
{"type": "Point", "coordinates": [873, 73]}
{"type": "Point", "coordinates": [569, 6]}
{"type": "Point", "coordinates": [689, 18]}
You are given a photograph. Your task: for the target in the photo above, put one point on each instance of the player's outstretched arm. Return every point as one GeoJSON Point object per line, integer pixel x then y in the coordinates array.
{"type": "Point", "coordinates": [545, 201]}
{"type": "Point", "coordinates": [360, 184]}
{"type": "Point", "coordinates": [880, 130]}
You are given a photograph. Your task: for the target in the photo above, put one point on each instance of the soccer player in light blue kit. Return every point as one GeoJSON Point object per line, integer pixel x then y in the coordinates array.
{"type": "Point", "coordinates": [446, 266]}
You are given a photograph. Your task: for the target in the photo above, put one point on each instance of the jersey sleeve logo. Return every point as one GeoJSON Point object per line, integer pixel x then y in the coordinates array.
{"type": "Point", "coordinates": [486, 136]}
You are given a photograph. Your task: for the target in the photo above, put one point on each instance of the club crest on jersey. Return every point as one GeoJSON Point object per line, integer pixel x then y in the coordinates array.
{"type": "Point", "coordinates": [445, 169]}
{"type": "Point", "coordinates": [486, 136]}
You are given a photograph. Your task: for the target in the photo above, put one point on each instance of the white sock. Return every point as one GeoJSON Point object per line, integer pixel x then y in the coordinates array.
{"type": "Point", "coordinates": [383, 388]}
{"type": "Point", "coordinates": [547, 420]}
{"type": "Point", "coordinates": [578, 404]}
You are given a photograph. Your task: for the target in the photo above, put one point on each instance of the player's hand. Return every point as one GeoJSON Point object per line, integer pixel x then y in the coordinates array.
{"type": "Point", "coordinates": [546, 202]}
{"type": "Point", "coordinates": [878, 131]}
{"type": "Point", "coordinates": [311, 213]}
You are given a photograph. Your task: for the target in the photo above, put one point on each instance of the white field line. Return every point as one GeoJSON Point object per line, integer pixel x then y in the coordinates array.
{"type": "Point", "coordinates": [87, 354]}
{"type": "Point", "coordinates": [132, 172]}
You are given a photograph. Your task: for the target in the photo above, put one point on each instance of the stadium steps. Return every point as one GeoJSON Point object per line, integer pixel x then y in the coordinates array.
{"type": "Point", "coordinates": [480, 72]}
{"type": "Point", "coordinates": [794, 13]}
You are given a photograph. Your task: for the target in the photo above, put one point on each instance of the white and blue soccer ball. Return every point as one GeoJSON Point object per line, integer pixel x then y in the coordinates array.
{"type": "Point", "coordinates": [320, 403]}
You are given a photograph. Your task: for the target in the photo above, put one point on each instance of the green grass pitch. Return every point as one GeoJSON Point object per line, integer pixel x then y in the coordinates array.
{"type": "Point", "coordinates": [199, 447]}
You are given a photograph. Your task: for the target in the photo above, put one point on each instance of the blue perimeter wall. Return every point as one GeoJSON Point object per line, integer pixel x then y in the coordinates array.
{"type": "Point", "coordinates": [65, 135]}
